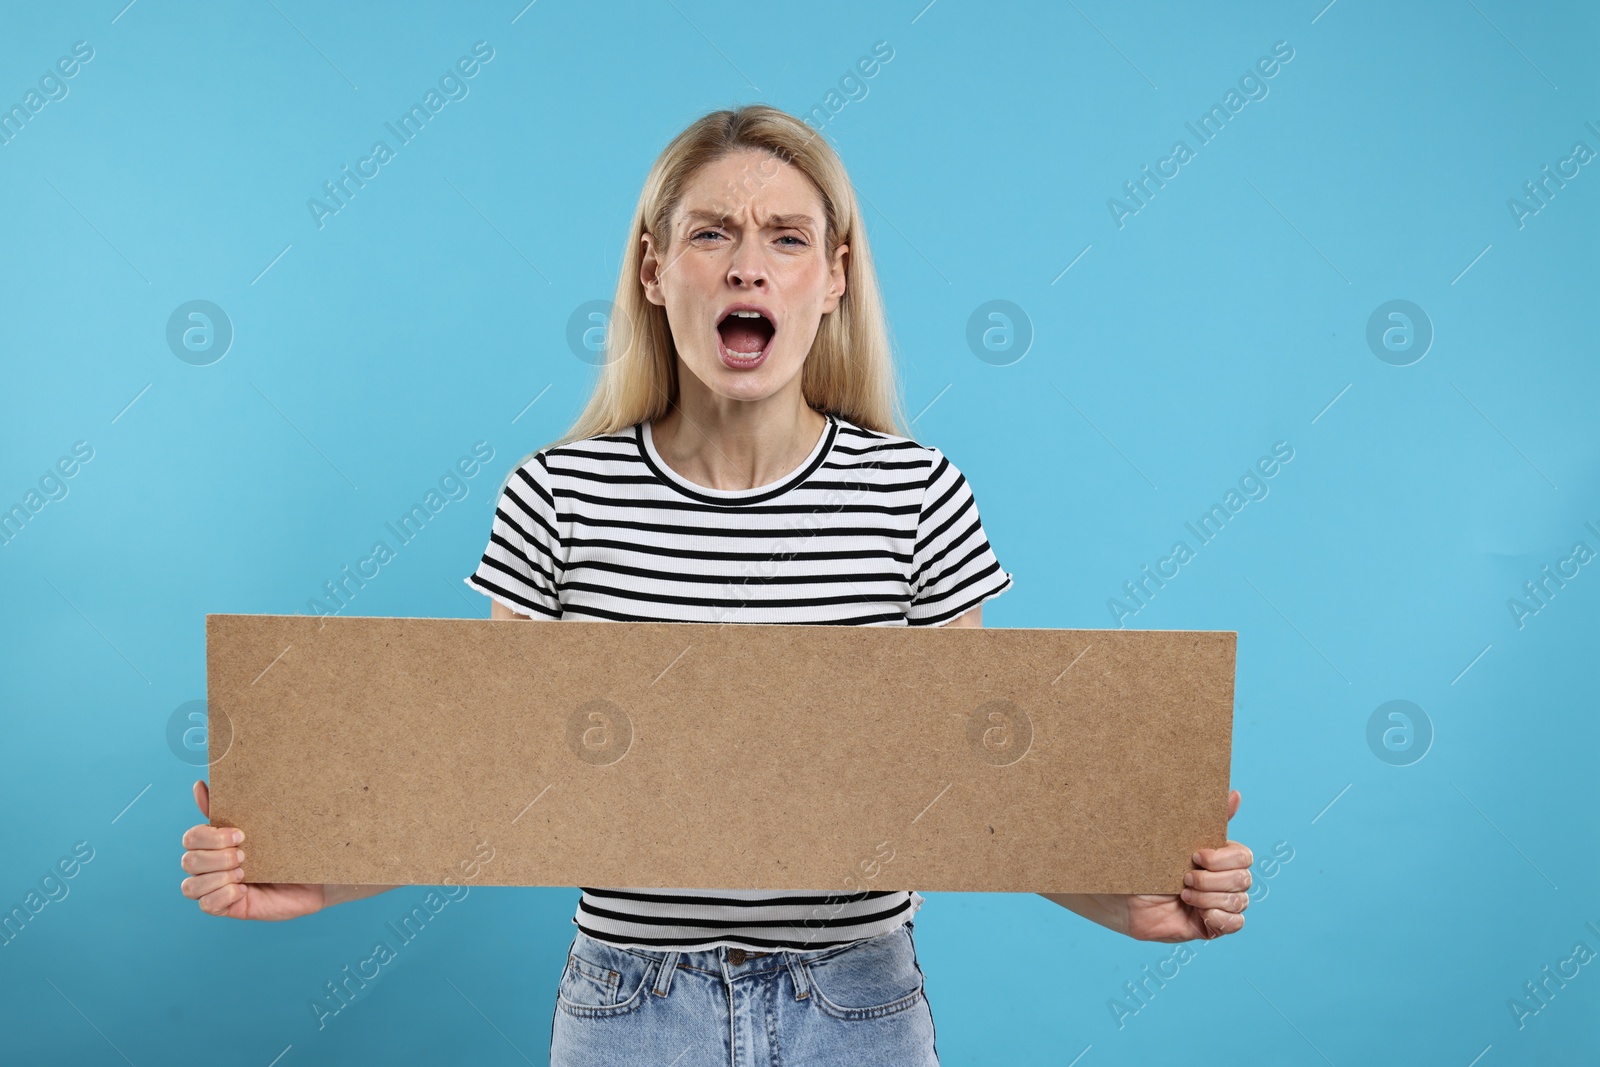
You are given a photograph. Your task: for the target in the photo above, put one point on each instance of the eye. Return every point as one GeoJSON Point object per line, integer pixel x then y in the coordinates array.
{"type": "Point", "coordinates": [703, 233]}
{"type": "Point", "coordinates": [792, 237]}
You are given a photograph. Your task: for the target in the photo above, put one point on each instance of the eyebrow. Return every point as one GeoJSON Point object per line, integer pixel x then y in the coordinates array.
{"type": "Point", "coordinates": [799, 222]}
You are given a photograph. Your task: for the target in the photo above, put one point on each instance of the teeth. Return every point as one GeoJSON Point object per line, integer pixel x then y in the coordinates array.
{"type": "Point", "coordinates": [746, 314]}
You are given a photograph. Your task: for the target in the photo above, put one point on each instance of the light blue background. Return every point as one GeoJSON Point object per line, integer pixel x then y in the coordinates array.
{"type": "Point", "coordinates": [1227, 315]}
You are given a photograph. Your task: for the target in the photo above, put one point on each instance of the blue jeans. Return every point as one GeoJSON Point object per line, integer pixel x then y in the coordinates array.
{"type": "Point", "coordinates": [858, 1004]}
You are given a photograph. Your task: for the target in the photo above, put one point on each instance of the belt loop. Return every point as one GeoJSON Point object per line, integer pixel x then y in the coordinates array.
{"type": "Point", "coordinates": [664, 974]}
{"type": "Point", "coordinates": [797, 971]}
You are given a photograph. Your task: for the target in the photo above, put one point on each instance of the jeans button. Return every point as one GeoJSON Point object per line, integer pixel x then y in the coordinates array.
{"type": "Point", "coordinates": [736, 956]}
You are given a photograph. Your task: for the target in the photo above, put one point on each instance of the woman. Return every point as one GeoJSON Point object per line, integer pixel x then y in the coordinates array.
{"type": "Point", "coordinates": [740, 460]}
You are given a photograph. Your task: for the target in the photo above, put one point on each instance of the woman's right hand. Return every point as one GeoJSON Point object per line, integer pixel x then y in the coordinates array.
{"type": "Point", "coordinates": [216, 875]}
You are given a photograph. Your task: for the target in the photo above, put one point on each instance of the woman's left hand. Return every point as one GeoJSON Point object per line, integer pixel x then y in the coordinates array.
{"type": "Point", "coordinates": [1212, 903]}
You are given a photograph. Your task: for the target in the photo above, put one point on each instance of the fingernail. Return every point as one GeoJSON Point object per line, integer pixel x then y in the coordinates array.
{"type": "Point", "coordinates": [1196, 859]}
{"type": "Point", "coordinates": [1188, 879]}
{"type": "Point", "coordinates": [238, 836]}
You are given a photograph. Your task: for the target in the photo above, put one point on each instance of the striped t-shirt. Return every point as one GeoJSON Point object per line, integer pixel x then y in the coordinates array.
{"type": "Point", "coordinates": [870, 530]}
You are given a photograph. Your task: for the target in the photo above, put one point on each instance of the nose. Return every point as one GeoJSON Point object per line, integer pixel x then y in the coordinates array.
{"type": "Point", "coordinates": [747, 267]}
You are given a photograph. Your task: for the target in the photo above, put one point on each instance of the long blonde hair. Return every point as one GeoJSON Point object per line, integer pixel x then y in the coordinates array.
{"type": "Point", "coordinates": [850, 370]}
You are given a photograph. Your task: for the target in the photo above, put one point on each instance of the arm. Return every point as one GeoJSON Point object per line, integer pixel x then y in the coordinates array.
{"type": "Point", "coordinates": [1212, 904]}
{"type": "Point", "coordinates": [215, 865]}
{"type": "Point", "coordinates": [341, 894]}
{"type": "Point", "coordinates": [1108, 909]}
{"type": "Point", "coordinates": [971, 618]}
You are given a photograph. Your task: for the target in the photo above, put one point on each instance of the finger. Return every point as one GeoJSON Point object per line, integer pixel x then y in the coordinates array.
{"type": "Point", "coordinates": [202, 798]}
{"type": "Point", "coordinates": [1222, 922]}
{"type": "Point", "coordinates": [1233, 855]}
{"type": "Point", "coordinates": [205, 860]}
{"type": "Point", "coordinates": [1221, 902]}
{"type": "Point", "coordinates": [198, 885]}
{"type": "Point", "coordinates": [1233, 802]}
{"type": "Point", "coordinates": [223, 901]}
{"type": "Point", "coordinates": [1229, 881]}
{"type": "Point", "coordinates": [202, 835]}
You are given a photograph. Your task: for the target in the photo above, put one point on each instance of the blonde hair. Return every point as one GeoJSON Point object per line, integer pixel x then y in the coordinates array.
{"type": "Point", "coordinates": [850, 370]}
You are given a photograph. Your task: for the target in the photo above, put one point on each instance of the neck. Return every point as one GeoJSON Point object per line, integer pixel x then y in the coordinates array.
{"type": "Point", "coordinates": [737, 445]}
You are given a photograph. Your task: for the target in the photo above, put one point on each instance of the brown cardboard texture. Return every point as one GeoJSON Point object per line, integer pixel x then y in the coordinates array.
{"type": "Point", "coordinates": [718, 756]}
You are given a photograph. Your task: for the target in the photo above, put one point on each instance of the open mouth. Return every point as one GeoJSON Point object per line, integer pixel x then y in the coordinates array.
{"type": "Point", "coordinates": [746, 336]}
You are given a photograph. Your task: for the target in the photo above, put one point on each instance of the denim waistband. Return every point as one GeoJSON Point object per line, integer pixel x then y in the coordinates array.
{"type": "Point", "coordinates": [734, 962]}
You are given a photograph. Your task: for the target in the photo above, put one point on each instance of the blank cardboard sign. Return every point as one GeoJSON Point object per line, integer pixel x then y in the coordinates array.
{"type": "Point", "coordinates": [675, 755]}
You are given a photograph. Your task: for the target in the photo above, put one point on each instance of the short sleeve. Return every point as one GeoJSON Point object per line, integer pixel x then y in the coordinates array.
{"type": "Point", "coordinates": [522, 563]}
{"type": "Point", "coordinates": [954, 569]}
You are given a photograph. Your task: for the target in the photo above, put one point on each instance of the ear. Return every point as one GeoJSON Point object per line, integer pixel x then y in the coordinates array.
{"type": "Point", "coordinates": [836, 279]}
{"type": "Point", "coordinates": [649, 270]}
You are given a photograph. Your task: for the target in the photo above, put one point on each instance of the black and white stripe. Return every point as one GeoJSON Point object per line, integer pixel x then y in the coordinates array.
{"type": "Point", "coordinates": [870, 530]}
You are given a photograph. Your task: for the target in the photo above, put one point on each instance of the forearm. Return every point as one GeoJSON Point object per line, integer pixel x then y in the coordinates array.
{"type": "Point", "coordinates": [343, 894]}
{"type": "Point", "coordinates": [1108, 909]}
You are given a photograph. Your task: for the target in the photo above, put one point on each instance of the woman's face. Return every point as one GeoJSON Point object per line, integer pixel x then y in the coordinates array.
{"type": "Point", "coordinates": [749, 231]}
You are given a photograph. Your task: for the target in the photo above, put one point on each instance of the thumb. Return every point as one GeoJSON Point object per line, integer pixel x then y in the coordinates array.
{"type": "Point", "coordinates": [202, 798]}
{"type": "Point", "coordinates": [1233, 802]}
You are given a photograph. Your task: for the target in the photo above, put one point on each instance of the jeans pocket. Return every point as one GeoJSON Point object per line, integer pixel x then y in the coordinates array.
{"type": "Point", "coordinates": [601, 980]}
{"type": "Point", "coordinates": [869, 979]}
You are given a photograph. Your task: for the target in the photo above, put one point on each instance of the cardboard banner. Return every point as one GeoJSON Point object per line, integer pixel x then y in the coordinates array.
{"type": "Point", "coordinates": [718, 756]}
